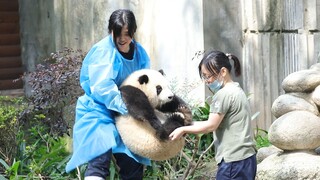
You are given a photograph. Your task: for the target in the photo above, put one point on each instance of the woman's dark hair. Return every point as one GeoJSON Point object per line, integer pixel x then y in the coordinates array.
{"type": "Point", "coordinates": [121, 18]}
{"type": "Point", "coordinates": [215, 60]}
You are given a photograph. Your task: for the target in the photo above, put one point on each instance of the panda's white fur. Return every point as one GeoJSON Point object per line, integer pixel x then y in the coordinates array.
{"type": "Point", "coordinates": [138, 135]}
{"type": "Point", "coordinates": [140, 138]}
{"type": "Point", "coordinates": [155, 78]}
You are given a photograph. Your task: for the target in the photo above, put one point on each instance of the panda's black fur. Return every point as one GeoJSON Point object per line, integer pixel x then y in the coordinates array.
{"type": "Point", "coordinates": [176, 111]}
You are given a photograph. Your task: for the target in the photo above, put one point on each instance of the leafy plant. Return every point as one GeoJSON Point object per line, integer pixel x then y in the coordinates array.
{"type": "Point", "coordinates": [202, 112]}
{"type": "Point", "coordinates": [41, 156]}
{"type": "Point", "coordinates": [261, 138]}
{"type": "Point", "coordinates": [42, 145]}
{"type": "Point", "coordinates": [37, 129]}
{"type": "Point", "coordinates": [54, 85]}
{"type": "Point", "coordinates": [11, 171]}
{"type": "Point", "coordinates": [6, 166]}
{"type": "Point", "coordinates": [201, 152]}
{"type": "Point", "coordinates": [9, 110]}
{"type": "Point", "coordinates": [193, 160]}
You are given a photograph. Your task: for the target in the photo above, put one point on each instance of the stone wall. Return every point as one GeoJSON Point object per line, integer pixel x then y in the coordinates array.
{"type": "Point", "coordinates": [279, 38]}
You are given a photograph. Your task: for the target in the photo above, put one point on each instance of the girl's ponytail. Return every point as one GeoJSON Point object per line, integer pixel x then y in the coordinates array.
{"type": "Point", "coordinates": [237, 68]}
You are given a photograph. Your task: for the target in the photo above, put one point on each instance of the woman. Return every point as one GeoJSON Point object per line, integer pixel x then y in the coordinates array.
{"type": "Point", "coordinates": [229, 119]}
{"type": "Point", "coordinates": [107, 64]}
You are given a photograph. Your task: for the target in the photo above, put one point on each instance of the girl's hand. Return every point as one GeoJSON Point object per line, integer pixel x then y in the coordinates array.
{"type": "Point", "coordinates": [177, 134]}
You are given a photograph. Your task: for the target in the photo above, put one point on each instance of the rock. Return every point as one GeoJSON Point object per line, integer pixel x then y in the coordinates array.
{"type": "Point", "coordinates": [296, 130]}
{"type": "Point", "coordinates": [294, 165]}
{"type": "Point", "coordinates": [315, 67]}
{"type": "Point", "coordinates": [264, 152]}
{"type": "Point", "coordinates": [301, 81]}
{"type": "Point", "coordinates": [290, 102]}
{"type": "Point", "coordinates": [315, 96]}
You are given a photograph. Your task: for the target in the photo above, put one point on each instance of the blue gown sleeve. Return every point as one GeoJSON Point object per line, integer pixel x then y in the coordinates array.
{"type": "Point", "coordinates": [98, 74]}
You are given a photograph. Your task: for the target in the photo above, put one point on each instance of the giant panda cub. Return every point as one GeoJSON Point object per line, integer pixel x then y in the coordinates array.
{"type": "Point", "coordinates": [154, 111]}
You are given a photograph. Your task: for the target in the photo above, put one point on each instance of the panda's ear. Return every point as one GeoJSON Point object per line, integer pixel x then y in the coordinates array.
{"type": "Point", "coordinates": [143, 79]}
{"type": "Point", "coordinates": [162, 72]}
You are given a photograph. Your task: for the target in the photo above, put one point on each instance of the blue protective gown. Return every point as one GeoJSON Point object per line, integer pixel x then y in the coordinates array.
{"type": "Point", "coordinates": [94, 132]}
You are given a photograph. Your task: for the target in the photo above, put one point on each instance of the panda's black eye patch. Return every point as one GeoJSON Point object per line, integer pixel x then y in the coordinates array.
{"type": "Point", "coordinates": [159, 89]}
{"type": "Point", "coordinates": [143, 79]}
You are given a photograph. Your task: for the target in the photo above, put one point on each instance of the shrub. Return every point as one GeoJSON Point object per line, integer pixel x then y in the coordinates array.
{"type": "Point", "coordinates": [9, 111]}
{"type": "Point", "coordinates": [54, 85]}
{"type": "Point", "coordinates": [39, 147]}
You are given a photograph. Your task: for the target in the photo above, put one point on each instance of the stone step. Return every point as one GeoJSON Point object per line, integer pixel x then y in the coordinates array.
{"type": "Point", "coordinates": [9, 39]}
{"type": "Point", "coordinates": [10, 84]}
{"type": "Point", "coordinates": [10, 50]}
{"type": "Point", "coordinates": [9, 28]}
{"type": "Point", "coordinates": [9, 17]}
{"type": "Point", "coordinates": [9, 5]}
{"type": "Point", "coordinates": [10, 62]}
{"type": "Point", "coordinates": [10, 73]}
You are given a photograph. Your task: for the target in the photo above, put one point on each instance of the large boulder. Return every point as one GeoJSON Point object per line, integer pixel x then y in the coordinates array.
{"type": "Point", "coordinates": [315, 96]}
{"type": "Point", "coordinates": [294, 101]}
{"type": "Point", "coordinates": [293, 165]}
{"type": "Point", "coordinates": [265, 152]}
{"type": "Point", "coordinates": [302, 81]}
{"type": "Point", "coordinates": [315, 67]}
{"type": "Point", "coordinates": [296, 130]}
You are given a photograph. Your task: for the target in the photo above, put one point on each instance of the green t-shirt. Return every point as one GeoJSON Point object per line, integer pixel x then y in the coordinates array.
{"type": "Point", "coordinates": [233, 139]}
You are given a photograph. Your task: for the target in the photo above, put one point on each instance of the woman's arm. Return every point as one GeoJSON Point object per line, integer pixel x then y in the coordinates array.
{"type": "Point", "coordinates": [198, 127]}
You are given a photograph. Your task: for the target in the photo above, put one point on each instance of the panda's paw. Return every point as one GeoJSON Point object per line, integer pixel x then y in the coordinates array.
{"type": "Point", "coordinates": [187, 114]}
{"type": "Point", "coordinates": [184, 109]}
{"type": "Point", "coordinates": [178, 114]}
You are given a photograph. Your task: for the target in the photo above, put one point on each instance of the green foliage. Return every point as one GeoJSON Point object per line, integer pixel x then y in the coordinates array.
{"type": "Point", "coordinates": [54, 85]}
{"type": "Point", "coordinates": [261, 138]}
{"type": "Point", "coordinates": [39, 127]}
{"type": "Point", "coordinates": [12, 171]}
{"type": "Point", "coordinates": [190, 164]}
{"type": "Point", "coordinates": [40, 156]}
{"type": "Point", "coordinates": [194, 159]}
{"type": "Point", "coordinates": [9, 110]}
{"type": "Point", "coordinates": [201, 113]}
{"type": "Point", "coordinates": [43, 154]}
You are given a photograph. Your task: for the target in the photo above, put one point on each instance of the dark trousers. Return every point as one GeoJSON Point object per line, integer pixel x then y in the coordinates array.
{"type": "Point", "coordinates": [240, 170]}
{"type": "Point", "coordinates": [129, 168]}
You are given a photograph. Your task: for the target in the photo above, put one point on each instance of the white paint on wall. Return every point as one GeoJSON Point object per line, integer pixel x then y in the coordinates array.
{"type": "Point", "coordinates": [172, 33]}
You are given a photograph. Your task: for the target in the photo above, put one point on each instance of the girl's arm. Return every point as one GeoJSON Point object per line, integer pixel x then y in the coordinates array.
{"type": "Point", "coordinates": [198, 127]}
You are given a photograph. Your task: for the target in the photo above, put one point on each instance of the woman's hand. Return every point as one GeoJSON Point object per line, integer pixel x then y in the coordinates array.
{"type": "Point", "coordinates": [177, 133]}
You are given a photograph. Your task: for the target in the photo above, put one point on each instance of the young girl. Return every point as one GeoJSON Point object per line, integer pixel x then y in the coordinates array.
{"type": "Point", "coordinates": [95, 137]}
{"type": "Point", "coordinates": [229, 119]}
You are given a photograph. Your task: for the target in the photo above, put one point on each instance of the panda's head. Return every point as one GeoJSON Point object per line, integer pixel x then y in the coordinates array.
{"type": "Point", "coordinates": [153, 84]}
